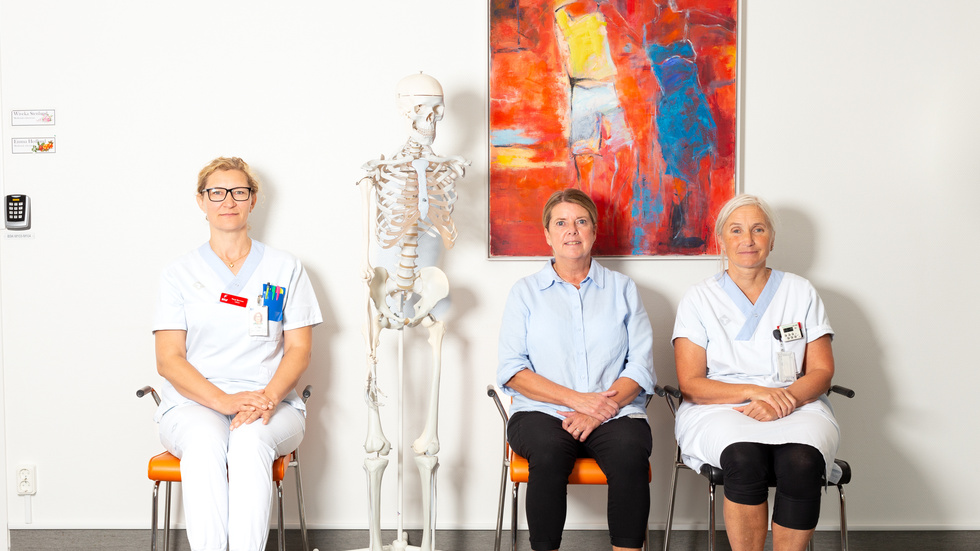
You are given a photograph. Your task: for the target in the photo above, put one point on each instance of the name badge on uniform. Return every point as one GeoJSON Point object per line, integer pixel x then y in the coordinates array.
{"type": "Point", "coordinates": [258, 320]}
{"type": "Point", "coordinates": [232, 299]}
{"type": "Point", "coordinates": [787, 366]}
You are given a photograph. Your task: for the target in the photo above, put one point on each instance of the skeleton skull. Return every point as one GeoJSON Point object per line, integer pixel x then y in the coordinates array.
{"type": "Point", "coordinates": [420, 100]}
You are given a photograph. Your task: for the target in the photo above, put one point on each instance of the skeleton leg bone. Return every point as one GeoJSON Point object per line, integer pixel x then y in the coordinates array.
{"type": "Point", "coordinates": [375, 467]}
{"type": "Point", "coordinates": [428, 465]}
{"type": "Point", "coordinates": [428, 441]}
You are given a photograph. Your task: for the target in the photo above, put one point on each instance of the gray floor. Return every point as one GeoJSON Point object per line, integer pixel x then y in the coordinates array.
{"type": "Point", "coordinates": [336, 540]}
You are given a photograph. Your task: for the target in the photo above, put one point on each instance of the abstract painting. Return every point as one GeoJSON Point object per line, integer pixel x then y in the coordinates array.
{"type": "Point", "coordinates": [632, 101]}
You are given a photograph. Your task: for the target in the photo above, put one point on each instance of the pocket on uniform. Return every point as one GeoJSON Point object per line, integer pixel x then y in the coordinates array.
{"type": "Point", "coordinates": [275, 331]}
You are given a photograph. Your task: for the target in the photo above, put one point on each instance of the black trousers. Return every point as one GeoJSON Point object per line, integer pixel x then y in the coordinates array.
{"type": "Point", "coordinates": [621, 447]}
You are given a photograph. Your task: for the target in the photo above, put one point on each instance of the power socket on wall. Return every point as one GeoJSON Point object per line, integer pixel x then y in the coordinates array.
{"type": "Point", "coordinates": [26, 480]}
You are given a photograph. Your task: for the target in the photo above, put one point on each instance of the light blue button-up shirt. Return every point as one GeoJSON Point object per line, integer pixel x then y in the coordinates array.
{"type": "Point", "coordinates": [583, 339]}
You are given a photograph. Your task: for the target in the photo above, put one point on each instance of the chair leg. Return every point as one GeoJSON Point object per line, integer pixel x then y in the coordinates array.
{"type": "Point", "coordinates": [302, 504]}
{"type": "Point", "coordinates": [500, 508]}
{"type": "Point", "coordinates": [281, 532]}
{"type": "Point", "coordinates": [670, 506]}
{"type": "Point", "coordinates": [166, 519]}
{"type": "Point", "coordinates": [513, 516]}
{"type": "Point", "coordinates": [153, 522]}
{"type": "Point", "coordinates": [843, 518]}
{"type": "Point", "coordinates": [711, 518]}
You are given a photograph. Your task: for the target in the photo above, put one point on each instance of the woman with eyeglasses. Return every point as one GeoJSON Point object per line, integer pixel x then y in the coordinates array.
{"type": "Point", "coordinates": [233, 330]}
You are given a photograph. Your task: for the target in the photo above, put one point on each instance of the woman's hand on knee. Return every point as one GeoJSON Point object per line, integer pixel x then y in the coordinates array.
{"type": "Point", "coordinates": [780, 399]}
{"type": "Point", "coordinates": [246, 401]}
{"type": "Point", "coordinates": [596, 404]}
{"type": "Point", "coordinates": [249, 417]}
{"type": "Point", "coordinates": [579, 425]}
{"type": "Point", "coordinates": [759, 410]}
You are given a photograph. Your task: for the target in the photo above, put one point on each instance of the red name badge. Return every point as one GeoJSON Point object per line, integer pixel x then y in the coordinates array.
{"type": "Point", "coordinates": [232, 299]}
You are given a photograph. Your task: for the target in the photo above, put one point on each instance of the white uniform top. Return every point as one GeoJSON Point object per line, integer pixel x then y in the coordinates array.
{"type": "Point", "coordinates": [738, 340]}
{"type": "Point", "coordinates": [218, 340]}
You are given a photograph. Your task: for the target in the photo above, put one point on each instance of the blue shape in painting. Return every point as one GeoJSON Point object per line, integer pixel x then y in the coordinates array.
{"type": "Point", "coordinates": [510, 136]}
{"type": "Point", "coordinates": [686, 129]}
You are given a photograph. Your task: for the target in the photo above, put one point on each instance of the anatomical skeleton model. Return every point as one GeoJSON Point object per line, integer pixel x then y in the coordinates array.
{"type": "Point", "coordinates": [412, 191]}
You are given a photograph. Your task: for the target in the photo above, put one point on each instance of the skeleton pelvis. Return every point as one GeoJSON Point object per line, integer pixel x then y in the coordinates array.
{"type": "Point", "coordinates": [430, 286]}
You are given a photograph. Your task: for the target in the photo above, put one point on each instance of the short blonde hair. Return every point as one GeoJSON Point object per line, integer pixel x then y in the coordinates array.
{"type": "Point", "coordinates": [570, 195]}
{"type": "Point", "coordinates": [227, 163]}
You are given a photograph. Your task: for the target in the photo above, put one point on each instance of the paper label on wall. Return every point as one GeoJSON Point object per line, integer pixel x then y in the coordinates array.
{"type": "Point", "coordinates": [34, 145]}
{"type": "Point", "coordinates": [21, 235]}
{"type": "Point", "coordinates": [32, 117]}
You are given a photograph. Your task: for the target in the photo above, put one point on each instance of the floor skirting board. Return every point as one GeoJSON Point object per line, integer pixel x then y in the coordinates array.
{"type": "Point", "coordinates": [482, 540]}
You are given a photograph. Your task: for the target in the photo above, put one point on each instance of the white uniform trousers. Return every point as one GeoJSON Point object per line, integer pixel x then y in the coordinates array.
{"type": "Point", "coordinates": [225, 474]}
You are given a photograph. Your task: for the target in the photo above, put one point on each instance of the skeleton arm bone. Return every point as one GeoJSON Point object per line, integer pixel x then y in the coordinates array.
{"type": "Point", "coordinates": [367, 184]}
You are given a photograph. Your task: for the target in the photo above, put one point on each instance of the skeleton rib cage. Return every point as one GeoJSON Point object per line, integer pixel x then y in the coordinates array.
{"type": "Point", "coordinates": [399, 210]}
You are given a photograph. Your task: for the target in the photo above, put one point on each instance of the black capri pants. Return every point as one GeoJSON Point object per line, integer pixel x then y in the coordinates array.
{"type": "Point", "coordinates": [621, 447]}
{"type": "Point", "coordinates": [797, 471]}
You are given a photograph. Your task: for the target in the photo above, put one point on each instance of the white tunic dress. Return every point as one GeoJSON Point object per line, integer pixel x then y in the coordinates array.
{"type": "Point", "coordinates": [738, 339]}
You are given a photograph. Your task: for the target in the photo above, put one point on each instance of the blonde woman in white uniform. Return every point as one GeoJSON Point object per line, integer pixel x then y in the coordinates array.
{"type": "Point", "coordinates": [233, 330]}
{"type": "Point", "coordinates": [755, 405]}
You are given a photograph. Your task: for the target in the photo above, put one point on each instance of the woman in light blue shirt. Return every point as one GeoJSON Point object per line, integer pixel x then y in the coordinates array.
{"type": "Point", "coordinates": [575, 354]}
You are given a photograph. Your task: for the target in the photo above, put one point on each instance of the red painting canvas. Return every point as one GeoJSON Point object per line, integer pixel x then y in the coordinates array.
{"type": "Point", "coordinates": [632, 101]}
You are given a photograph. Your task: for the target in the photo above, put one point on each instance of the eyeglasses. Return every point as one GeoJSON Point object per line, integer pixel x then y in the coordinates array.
{"type": "Point", "coordinates": [217, 194]}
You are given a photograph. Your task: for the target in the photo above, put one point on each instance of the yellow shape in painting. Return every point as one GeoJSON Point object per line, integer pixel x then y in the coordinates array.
{"type": "Point", "coordinates": [518, 158]}
{"type": "Point", "coordinates": [588, 46]}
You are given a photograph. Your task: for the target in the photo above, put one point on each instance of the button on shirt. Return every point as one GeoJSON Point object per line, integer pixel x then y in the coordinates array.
{"type": "Point", "coordinates": [583, 339]}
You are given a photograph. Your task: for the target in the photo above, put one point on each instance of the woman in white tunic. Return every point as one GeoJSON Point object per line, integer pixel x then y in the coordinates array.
{"type": "Point", "coordinates": [234, 330]}
{"type": "Point", "coordinates": [752, 347]}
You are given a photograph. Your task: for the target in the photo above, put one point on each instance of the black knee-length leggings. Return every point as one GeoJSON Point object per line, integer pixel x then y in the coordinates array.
{"type": "Point", "coordinates": [797, 470]}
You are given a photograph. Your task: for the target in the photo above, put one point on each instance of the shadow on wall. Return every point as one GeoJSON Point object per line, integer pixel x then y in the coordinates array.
{"type": "Point", "coordinates": [314, 448]}
{"type": "Point", "coordinates": [472, 374]}
{"type": "Point", "coordinates": [877, 463]}
{"type": "Point", "coordinates": [466, 108]}
{"type": "Point", "coordinates": [661, 313]}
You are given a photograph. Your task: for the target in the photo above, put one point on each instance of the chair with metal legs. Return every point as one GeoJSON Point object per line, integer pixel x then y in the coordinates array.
{"type": "Point", "coordinates": [515, 469]}
{"type": "Point", "coordinates": [165, 468]}
{"type": "Point", "coordinates": [840, 475]}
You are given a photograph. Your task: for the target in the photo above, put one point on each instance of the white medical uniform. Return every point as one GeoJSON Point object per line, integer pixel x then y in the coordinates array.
{"type": "Point", "coordinates": [230, 505]}
{"type": "Point", "coordinates": [738, 339]}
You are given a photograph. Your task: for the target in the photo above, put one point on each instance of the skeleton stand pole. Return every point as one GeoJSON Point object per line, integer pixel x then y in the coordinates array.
{"type": "Point", "coordinates": [401, 415]}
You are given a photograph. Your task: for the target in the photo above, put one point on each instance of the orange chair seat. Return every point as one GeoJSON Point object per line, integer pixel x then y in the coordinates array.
{"type": "Point", "coordinates": [585, 471]}
{"type": "Point", "coordinates": [165, 467]}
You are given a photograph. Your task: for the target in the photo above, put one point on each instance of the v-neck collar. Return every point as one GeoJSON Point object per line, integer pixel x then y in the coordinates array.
{"type": "Point", "coordinates": [233, 283]}
{"type": "Point", "coordinates": [752, 312]}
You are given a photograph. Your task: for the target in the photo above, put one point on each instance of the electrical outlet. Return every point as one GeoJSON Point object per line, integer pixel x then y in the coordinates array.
{"type": "Point", "coordinates": [26, 480]}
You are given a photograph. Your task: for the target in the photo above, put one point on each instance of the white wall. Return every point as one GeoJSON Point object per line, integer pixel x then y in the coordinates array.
{"type": "Point", "coordinates": [859, 126]}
